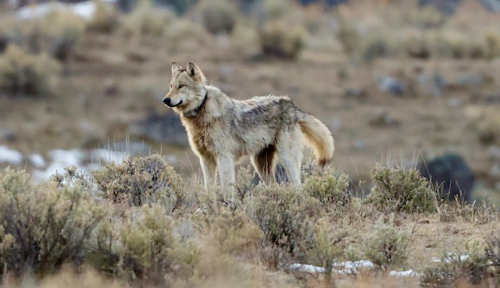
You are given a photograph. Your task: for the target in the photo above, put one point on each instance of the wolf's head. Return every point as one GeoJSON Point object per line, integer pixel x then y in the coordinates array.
{"type": "Point", "coordinates": [186, 88]}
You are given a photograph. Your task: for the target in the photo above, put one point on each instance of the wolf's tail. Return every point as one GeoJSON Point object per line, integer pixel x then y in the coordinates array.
{"type": "Point", "coordinates": [319, 138]}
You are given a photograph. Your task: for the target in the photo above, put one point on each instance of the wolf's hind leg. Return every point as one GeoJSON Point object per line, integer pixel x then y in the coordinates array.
{"type": "Point", "coordinates": [290, 155]}
{"type": "Point", "coordinates": [265, 163]}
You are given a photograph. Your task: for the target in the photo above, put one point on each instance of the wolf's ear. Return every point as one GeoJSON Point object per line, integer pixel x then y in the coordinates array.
{"type": "Point", "coordinates": [195, 72]}
{"type": "Point", "coordinates": [175, 67]}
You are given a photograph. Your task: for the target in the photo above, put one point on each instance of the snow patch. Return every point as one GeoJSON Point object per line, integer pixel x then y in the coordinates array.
{"type": "Point", "coordinates": [349, 267]}
{"type": "Point", "coordinates": [307, 268]}
{"type": "Point", "coordinates": [10, 156]}
{"type": "Point", "coordinates": [37, 160]}
{"type": "Point", "coordinates": [451, 257]}
{"type": "Point", "coordinates": [108, 156]}
{"type": "Point", "coordinates": [407, 273]}
{"type": "Point", "coordinates": [60, 160]}
{"type": "Point", "coordinates": [85, 9]}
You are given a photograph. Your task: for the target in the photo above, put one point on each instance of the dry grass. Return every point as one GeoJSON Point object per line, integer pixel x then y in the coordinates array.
{"type": "Point", "coordinates": [238, 243]}
{"type": "Point", "coordinates": [219, 238]}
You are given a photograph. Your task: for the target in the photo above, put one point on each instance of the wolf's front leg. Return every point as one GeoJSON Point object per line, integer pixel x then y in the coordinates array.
{"type": "Point", "coordinates": [209, 169]}
{"type": "Point", "coordinates": [225, 165]}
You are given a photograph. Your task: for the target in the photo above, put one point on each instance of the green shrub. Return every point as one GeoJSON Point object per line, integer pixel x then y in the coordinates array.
{"type": "Point", "coordinates": [401, 190]}
{"type": "Point", "coordinates": [72, 176]}
{"type": "Point", "coordinates": [376, 46]}
{"type": "Point", "coordinates": [233, 232]}
{"type": "Point", "coordinates": [284, 214]}
{"type": "Point", "coordinates": [143, 180]}
{"type": "Point", "coordinates": [43, 226]}
{"type": "Point", "coordinates": [330, 189]}
{"type": "Point", "coordinates": [388, 248]}
{"type": "Point", "coordinates": [348, 36]}
{"type": "Point", "coordinates": [281, 40]}
{"type": "Point", "coordinates": [145, 20]}
{"type": "Point", "coordinates": [327, 248]}
{"type": "Point", "coordinates": [104, 20]}
{"type": "Point", "coordinates": [275, 9]}
{"type": "Point", "coordinates": [56, 34]}
{"type": "Point", "coordinates": [24, 74]}
{"type": "Point", "coordinates": [218, 16]}
{"type": "Point", "coordinates": [492, 252]}
{"type": "Point", "coordinates": [468, 268]}
{"type": "Point", "coordinates": [143, 247]}
{"type": "Point", "coordinates": [493, 44]}
{"type": "Point", "coordinates": [426, 18]}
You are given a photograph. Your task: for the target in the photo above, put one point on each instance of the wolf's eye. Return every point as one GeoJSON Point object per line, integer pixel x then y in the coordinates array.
{"type": "Point", "coordinates": [180, 86]}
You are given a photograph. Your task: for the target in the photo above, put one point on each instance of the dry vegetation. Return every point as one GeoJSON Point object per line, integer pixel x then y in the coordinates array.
{"type": "Point", "coordinates": [144, 223]}
{"type": "Point", "coordinates": [139, 224]}
{"type": "Point", "coordinates": [329, 62]}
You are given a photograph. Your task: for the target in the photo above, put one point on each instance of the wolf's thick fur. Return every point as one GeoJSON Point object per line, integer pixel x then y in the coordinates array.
{"type": "Point", "coordinates": [221, 130]}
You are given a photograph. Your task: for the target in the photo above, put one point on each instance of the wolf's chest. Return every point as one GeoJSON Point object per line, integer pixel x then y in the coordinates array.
{"type": "Point", "coordinates": [200, 138]}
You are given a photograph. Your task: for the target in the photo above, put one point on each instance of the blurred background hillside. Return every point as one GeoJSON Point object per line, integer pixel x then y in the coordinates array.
{"type": "Point", "coordinates": [81, 83]}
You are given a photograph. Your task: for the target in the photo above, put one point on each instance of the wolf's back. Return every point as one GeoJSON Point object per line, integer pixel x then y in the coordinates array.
{"type": "Point", "coordinates": [319, 138]}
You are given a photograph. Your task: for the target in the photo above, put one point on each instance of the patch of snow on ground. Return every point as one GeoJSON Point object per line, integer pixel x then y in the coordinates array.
{"type": "Point", "coordinates": [37, 161]}
{"type": "Point", "coordinates": [40, 10]}
{"type": "Point", "coordinates": [85, 9]}
{"type": "Point", "coordinates": [69, 157]}
{"type": "Point", "coordinates": [351, 266]}
{"type": "Point", "coordinates": [60, 160]}
{"type": "Point", "coordinates": [451, 257]}
{"type": "Point", "coordinates": [108, 156]}
{"type": "Point", "coordinates": [10, 156]}
{"type": "Point", "coordinates": [348, 267]}
{"type": "Point", "coordinates": [407, 273]}
{"type": "Point", "coordinates": [307, 268]}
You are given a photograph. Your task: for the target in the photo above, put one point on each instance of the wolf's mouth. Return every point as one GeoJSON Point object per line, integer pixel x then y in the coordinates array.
{"type": "Point", "coordinates": [172, 106]}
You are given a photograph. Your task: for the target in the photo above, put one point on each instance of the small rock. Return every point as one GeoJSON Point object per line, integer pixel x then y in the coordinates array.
{"type": "Point", "coordinates": [359, 144]}
{"type": "Point", "coordinates": [4, 42]}
{"type": "Point", "coordinates": [451, 174]}
{"type": "Point", "coordinates": [111, 88]}
{"type": "Point", "coordinates": [493, 99]}
{"type": "Point", "coordinates": [382, 118]}
{"type": "Point", "coordinates": [137, 56]}
{"type": "Point", "coordinates": [165, 129]}
{"type": "Point", "coordinates": [391, 85]}
{"type": "Point", "coordinates": [7, 134]}
{"type": "Point", "coordinates": [455, 102]}
{"type": "Point", "coordinates": [471, 80]}
{"type": "Point", "coordinates": [355, 93]}
{"type": "Point", "coordinates": [432, 84]}
{"type": "Point", "coordinates": [494, 153]}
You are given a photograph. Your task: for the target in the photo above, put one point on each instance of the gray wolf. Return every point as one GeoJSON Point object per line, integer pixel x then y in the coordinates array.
{"type": "Point", "coordinates": [221, 130]}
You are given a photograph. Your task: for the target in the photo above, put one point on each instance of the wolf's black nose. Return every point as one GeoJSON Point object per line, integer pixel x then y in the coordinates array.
{"type": "Point", "coordinates": [166, 101]}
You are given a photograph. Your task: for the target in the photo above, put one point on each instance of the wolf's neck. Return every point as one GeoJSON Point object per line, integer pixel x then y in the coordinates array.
{"type": "Point", "coordinates": [216, 105]}
{"type": "Point", "coordinates": [195, 112]}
